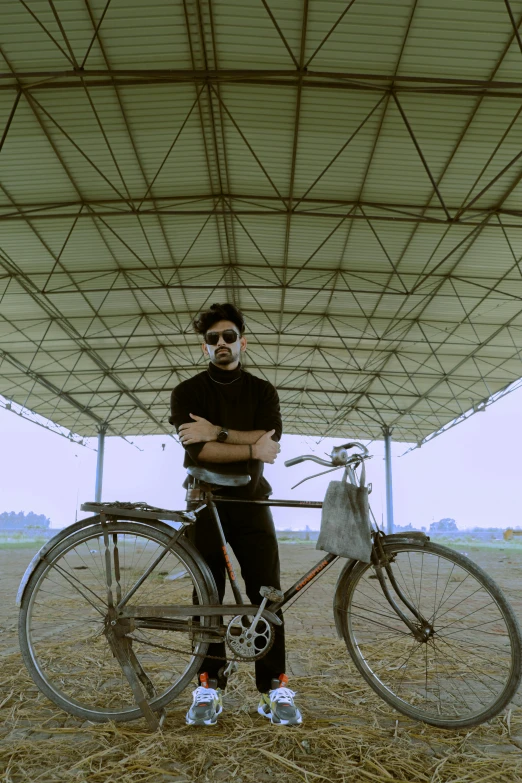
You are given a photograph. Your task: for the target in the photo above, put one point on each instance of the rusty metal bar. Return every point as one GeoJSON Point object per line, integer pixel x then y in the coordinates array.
{"type": "Point", "coordinates": [253, 75]}
{"type": "Point", "coordinates": [10, 119]}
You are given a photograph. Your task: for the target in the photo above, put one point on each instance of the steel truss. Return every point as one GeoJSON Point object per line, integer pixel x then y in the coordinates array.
{"type": "Point", "coordinates": [380, 276]}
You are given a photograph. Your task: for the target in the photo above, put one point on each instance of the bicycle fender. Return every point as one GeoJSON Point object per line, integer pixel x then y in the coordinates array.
{"type": "Point", "coordinates": [408, 537]}
{"type": "Point", "coordinates": [89, 522]}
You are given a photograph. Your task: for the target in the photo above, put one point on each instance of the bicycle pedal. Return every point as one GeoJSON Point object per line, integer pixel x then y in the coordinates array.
{"type": "Point", "coordinates": [272, 593]}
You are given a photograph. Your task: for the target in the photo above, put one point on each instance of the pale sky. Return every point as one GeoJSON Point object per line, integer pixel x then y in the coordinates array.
{"type": "Point", "coordinates": [471, 473]}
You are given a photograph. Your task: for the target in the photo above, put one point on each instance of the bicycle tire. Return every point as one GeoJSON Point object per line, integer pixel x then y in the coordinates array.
{"type": "Point", "coordinates": [38, 646]}
{"type": "Point", "coordinates": [446, 681]}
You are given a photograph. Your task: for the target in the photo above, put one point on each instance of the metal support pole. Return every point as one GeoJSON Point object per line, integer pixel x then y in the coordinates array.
{"type": "Point", "coordinates": [387, 431]}
{"type": "Point", "coordinates": [99, 464]}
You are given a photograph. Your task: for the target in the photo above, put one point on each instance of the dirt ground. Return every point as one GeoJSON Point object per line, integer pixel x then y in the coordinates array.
{"type": "Point", "coordinates": [348, 733]}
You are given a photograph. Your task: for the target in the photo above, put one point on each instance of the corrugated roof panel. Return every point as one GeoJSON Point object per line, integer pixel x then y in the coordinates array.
{"type": "Point", "coordinates": [372, 307]}
{"type": "Point", "coordinates": [448, 38]}
{"type": "Point", "coordinates": [396, 173]}
{"type": "Point", "coordinates": [258, 126]}
{"type": "Point", "coordinates": [89, 134]}
{"type": "Point", "coordinates": [166, 127]}
{"type": "Point", "coordinates": [490, 144]}
{"type": "Point", "coordinates": [337, 132]}
{"type": "Point", "coordinates": [26, 43]}
{"type": "Point", "coordinates": [30, 167]}
{"type": "Point", "coordinates": [511, 66]}
{"type": "Point", "coordinates": [247, 38]}
{"type": "Point", "coordinates": [368, 39]}
{"type": "Point", "coordinates": [138, 36]}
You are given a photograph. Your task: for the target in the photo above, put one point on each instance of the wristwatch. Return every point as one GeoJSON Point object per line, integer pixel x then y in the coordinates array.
{"type": "Point", "coordinates": [223, 435]}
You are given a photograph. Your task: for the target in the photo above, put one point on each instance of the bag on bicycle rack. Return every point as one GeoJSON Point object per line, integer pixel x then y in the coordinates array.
{"type": "Point", "coordinates": [345, 521]}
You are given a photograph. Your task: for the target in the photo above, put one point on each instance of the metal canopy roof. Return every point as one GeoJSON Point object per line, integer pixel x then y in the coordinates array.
{"type": "Point", "coordinates": [348, 173]}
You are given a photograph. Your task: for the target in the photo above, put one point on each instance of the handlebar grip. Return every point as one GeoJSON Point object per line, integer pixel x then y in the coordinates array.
{"type": "Point", "coordinates": [294, 461]}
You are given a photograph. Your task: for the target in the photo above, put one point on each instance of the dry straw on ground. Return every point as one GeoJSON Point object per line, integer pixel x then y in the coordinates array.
{"type": "Point", "coordinates": [348, 735]}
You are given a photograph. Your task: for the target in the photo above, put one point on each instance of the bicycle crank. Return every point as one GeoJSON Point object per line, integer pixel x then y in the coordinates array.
{"type": "Point", "coordinates": [248, 639]}
{"type": "Point", "coordinates": [251, 639]}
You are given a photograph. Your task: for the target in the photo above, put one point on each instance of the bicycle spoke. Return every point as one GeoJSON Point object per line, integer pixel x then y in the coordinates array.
{"type": "Point", "coordinates": [454, 674]}
{"type": "Point", "coordinates": [448, 580]}
{"type": "Point", "coordinates": [467, 683]}
{"type": "Point", "coordinates": [452, 608]}
{"type": "Point", "coordinates": [387, 615]}
{"type": "Point", "coordinates": [470, 614]}
{"type": "Point", "coordinates": [451, 678]}
{"type": "Point", "coordinates": [72, 581]}
{"type": "Point", "coordinates": [375, 622]}
{"type": "Point", "coordinates": [67, 638]}
{"type": "Point", "coordinates": [460, 660]}
{"type": "Point", "coordinates": [391, 665]}
{"type": "Point", "coordinates": [473, 645]}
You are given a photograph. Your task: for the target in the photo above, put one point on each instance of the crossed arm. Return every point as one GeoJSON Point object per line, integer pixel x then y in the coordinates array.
{"type": "Point", "coordinates": [237, 447]}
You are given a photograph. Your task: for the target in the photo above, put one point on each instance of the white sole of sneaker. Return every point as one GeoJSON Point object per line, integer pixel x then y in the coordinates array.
{"type": "Point", "coordinates": [209, 722]}
{"type": "Point", "coordinates": [296, 722]}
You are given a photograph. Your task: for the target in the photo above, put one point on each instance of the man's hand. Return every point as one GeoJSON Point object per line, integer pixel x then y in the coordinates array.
{"type": "Point", "coordinates": [199, 431]}
{"type": "Point", "coordinates": [266, 449]}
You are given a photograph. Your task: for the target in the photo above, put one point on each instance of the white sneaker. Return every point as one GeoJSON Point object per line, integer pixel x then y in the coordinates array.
{"type": "Point", "coordinates": [207, 703]}
{"type": "Point", "coordinates": [278, 704]}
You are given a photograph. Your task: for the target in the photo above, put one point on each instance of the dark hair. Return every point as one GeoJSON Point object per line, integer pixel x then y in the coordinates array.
{"type": "Point", "coordinates": [219, 312]}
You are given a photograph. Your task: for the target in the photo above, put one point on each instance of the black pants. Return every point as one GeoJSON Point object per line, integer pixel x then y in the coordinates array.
{"type": "Point", "coordinates": [249, 529]}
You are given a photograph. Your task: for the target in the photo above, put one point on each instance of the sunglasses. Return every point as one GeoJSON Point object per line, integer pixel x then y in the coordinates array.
{"type": "Point", "coordinates": [229, 336]}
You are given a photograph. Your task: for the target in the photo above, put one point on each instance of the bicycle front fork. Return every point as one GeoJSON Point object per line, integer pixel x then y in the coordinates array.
{"type": "Point", "coordinates": [381, 562]}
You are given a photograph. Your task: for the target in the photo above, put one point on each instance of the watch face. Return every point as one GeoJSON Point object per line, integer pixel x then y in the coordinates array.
{"type": "Point", "coordinates": [223, 435]}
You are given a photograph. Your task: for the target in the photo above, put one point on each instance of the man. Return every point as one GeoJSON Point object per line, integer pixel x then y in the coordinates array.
{"type": "Point", "coordinates": [229, 421]}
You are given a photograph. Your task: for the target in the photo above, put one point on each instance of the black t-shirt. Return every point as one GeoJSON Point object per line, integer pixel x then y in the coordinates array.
{"type": "Point", "coordinates": [234, 399]}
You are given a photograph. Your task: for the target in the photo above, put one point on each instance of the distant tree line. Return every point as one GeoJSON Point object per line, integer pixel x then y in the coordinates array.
{"type": "Point", "coordinates": [12, 520]}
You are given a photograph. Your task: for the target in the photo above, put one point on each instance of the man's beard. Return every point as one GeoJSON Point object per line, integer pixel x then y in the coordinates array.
{"type": "Point", "coordinates": [224, 357]}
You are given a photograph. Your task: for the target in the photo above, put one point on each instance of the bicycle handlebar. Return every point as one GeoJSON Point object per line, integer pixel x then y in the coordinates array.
{"type": "Point", "coordinates": [339, 456]}
{"type": "Point", "coordinates": [296, 460]}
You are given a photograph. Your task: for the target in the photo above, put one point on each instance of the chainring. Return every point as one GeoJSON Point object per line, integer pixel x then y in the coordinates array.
{"type": "Point", "coordinates": [249, 645]}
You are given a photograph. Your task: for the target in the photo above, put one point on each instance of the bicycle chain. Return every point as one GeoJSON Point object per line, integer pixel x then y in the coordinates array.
{"type": "Point", "coordinates": [195, 654]}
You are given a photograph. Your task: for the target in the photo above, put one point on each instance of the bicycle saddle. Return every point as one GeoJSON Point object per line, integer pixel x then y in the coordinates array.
{"type": "Point", "coordinates": [221, 479]}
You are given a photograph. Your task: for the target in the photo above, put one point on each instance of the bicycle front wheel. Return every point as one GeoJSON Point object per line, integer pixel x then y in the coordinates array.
{"type": "Point", "coordinates": [467, 667]}
{"type": "Point", "coordinates": [64, 610]}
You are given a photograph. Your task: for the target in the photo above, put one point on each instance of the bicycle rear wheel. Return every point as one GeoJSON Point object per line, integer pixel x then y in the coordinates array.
{"type": "Point", "coordinates": [468, 667]}
{"type": "Point", "coordinates": [62, 620]}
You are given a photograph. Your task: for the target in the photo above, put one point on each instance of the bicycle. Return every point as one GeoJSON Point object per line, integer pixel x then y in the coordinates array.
{"type": "Point", "coordinates": [117, 611]}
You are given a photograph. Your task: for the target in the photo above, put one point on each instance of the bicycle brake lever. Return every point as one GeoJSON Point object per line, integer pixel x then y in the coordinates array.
{"type": "Point", "coordinates": [322, 473]}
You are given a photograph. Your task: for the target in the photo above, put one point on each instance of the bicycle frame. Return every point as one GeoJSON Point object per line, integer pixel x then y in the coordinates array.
{"type": "Point", "coordinates": [142, 611]}
{"type": "Point", "coordinates": [158, 616]}
{"type": "Point", "coordinates": [312, 572]}
{"type": "Point", "coordinates": [379, 561]}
